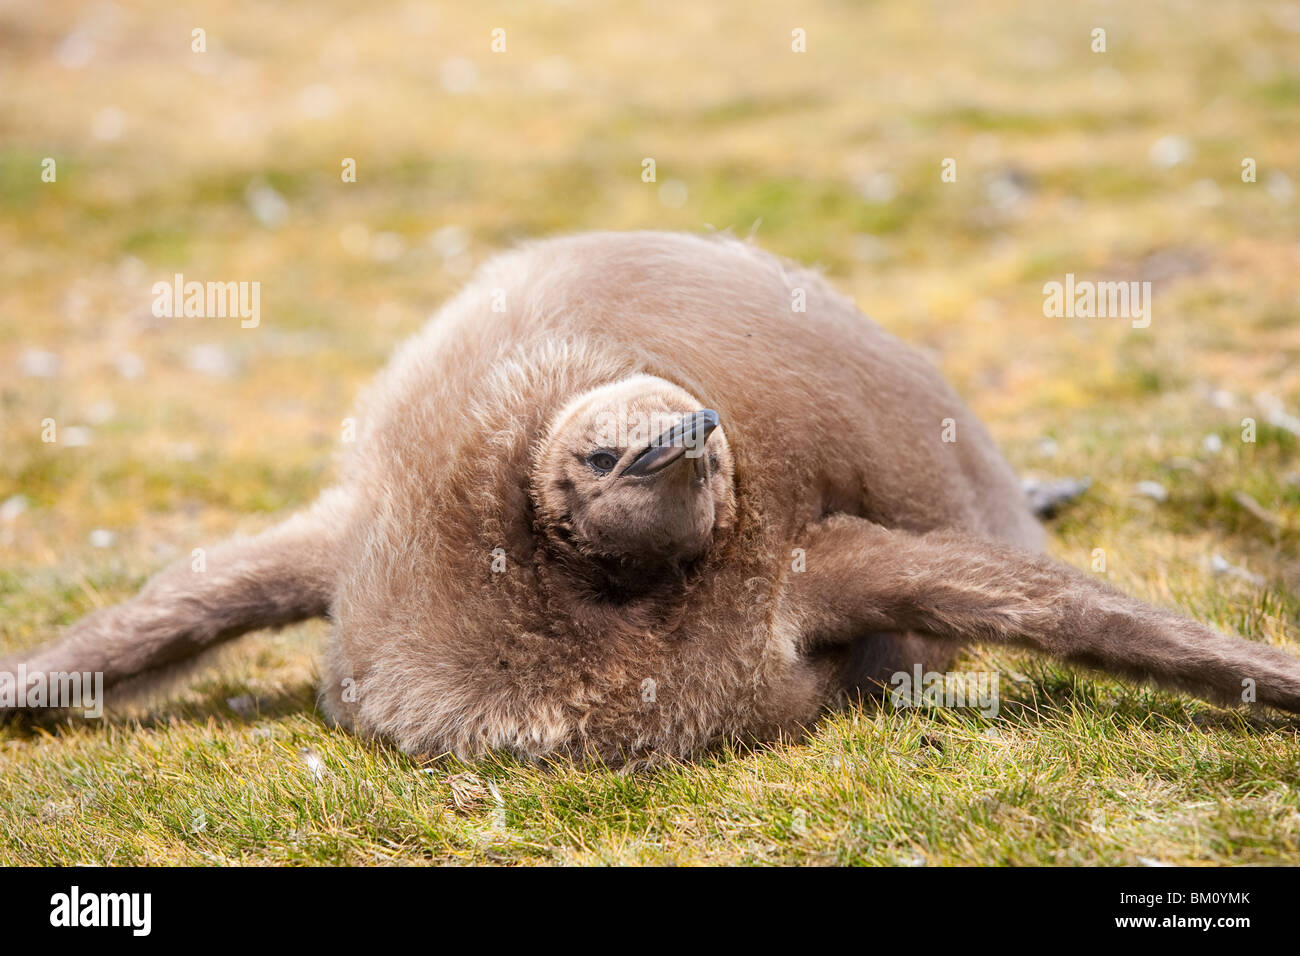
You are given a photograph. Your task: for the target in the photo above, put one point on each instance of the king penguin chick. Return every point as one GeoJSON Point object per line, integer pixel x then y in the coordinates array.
{"type": "Point", "coordinates": [646, 508]}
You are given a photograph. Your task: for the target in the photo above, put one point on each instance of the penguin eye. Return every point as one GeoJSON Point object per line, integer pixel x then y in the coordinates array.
{"type": "Point", "coordinates": [602, 462]}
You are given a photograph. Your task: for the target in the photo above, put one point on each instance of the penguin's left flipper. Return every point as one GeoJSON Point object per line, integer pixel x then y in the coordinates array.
{"type": "Point", "coordinates": [862, 578]}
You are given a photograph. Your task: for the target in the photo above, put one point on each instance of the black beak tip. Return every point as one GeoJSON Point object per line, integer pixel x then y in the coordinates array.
{"type": "Point", "coordinates": [695, 429]}
{"type": "Point", "coordinates": [685, 439]}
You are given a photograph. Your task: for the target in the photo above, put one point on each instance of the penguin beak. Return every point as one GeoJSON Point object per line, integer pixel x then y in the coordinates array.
{"type": "Point", "coordinates": [684, 440]}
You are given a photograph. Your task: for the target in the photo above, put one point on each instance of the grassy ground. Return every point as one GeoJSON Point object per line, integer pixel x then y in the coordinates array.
{"type": "Point", "coordinates": [224, 165]}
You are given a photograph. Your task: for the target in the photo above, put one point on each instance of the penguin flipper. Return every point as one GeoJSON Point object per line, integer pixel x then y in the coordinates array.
{"type": "Point", "coordinates": [285, 574]}
{"type": "Point", "coordinates": [862, 578]}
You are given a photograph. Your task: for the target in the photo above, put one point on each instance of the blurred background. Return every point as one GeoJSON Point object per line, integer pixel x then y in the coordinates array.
{"type": "Point", "coordinates": [225, 165]}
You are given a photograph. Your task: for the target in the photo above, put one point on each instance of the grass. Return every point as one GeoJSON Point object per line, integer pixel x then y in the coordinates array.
{"type": "Point", "coordinates": [1071, 771]}
{"type": "Point", "coordinates": [832, 157]}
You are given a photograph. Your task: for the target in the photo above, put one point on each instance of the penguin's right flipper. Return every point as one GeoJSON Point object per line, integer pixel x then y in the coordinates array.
{"type": "Point", "coordinates": [862, 578]}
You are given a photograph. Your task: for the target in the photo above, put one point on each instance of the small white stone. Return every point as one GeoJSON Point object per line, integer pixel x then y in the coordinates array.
{"type": "Point", "coordinates": [1279, 186]}
{"type": "Point", "coordinates": [1170, 151]}
{"type": "Point", "coordinates": [878, 187]}
{"type": "Point", "coordinates": [12, 508]}
{"type": "Point", "coordinates": [1222, 398]}
{"type": "Point", "coordinates": [76, 436]}
{"type": "Point", "coordinates": [75, 51]}
{"type": "Point", "coordinates": [1281, 418]}
{"type": "Point", "coordinates": [209, 359]}
{"type": "Point", "coordinates": [102, 538]}
{"type": "Point", "coordinates": [450, 241]}
{"type": "Point", "coordinates": [1152, 489]}
{"type": "Point", "coordinates": [243, 705]}
{"type": "Point", "coordinates": [267, 206]}
{"type": "Point", "coordinates": [129, 366]}
{"type": "Point", "coordinates": [100, 412]}
{"type": "Point", "coordinates": [36, 363]}
{"type": "Point", "coordinates": [1007, 192]}
{"type": "Point", "coordinates": [1220, 565]}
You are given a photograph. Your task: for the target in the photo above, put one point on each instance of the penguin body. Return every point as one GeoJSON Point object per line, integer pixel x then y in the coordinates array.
{"type": "Point", "coordinates": [630, 494]}
{"type": "Point", "coordinates": [825, 413]}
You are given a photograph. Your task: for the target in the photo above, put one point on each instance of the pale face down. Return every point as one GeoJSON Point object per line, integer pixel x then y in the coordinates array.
{"type": "Point", "coordinates": [635, 475]}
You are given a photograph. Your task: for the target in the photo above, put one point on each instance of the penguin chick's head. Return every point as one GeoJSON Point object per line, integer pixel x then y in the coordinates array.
{"type": "Point", "coordinates": [637, 473]}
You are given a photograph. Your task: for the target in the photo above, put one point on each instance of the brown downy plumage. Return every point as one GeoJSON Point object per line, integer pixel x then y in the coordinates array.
{"type": "Point", "coordinates": [647, 507]}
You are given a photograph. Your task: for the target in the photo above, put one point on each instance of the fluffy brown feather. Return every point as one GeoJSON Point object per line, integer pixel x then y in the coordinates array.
{"type": "Point", "coordinates": [494, 586]}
